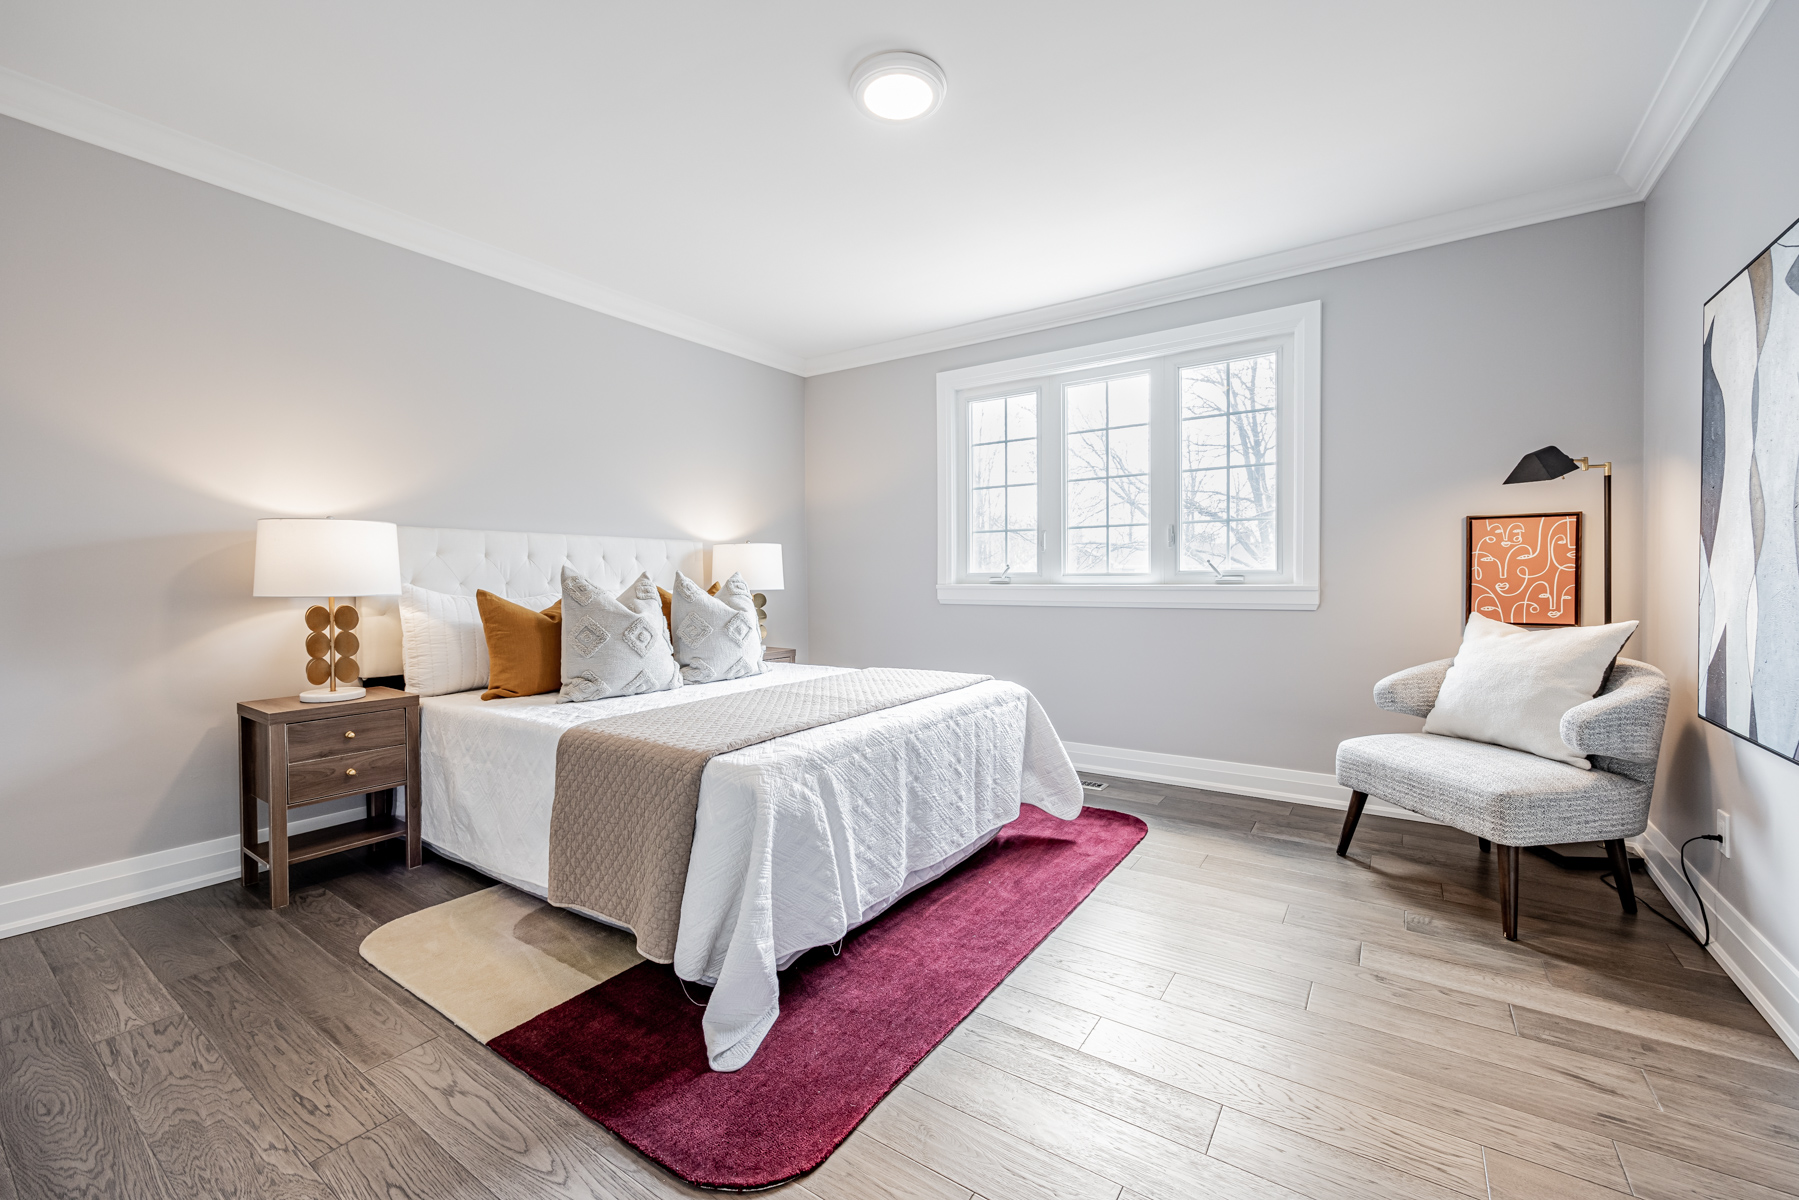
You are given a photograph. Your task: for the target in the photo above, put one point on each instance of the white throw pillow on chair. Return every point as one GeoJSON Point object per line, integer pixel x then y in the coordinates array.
{"type": "Point", "coordinates": [1510, 686]}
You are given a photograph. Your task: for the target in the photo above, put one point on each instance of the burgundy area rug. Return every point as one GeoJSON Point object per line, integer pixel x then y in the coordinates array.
{"type": "Point", "coordinates": [630, 1054]}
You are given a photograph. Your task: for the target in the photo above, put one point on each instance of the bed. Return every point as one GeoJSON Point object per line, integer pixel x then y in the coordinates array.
{"type": "Point", "coordinates": [797, 840]}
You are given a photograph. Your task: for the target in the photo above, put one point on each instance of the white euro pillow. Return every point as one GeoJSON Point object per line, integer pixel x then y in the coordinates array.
{"type": "Point", "coordinates": [614, 647]}
{"type": "Point", "coordinates": [1510, 686]}
{"type": "Point", "coordinates": [716, 637]}
{"type": "Point", "coordinates": [443, 648]}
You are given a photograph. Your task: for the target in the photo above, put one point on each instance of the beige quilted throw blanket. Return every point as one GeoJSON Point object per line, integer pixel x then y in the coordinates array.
{"type": "Point", "coordinates": [628, 788]}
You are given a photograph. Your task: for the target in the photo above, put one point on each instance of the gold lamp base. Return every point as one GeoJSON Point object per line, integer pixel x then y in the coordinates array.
{"type": "Point", "coordinates": [331, 650]}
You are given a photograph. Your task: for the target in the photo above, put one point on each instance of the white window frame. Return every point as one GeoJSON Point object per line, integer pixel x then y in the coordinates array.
{"type": "Point", "coordinates": [1294, 332]}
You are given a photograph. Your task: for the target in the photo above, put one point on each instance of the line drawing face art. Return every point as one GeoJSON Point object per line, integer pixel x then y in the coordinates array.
{"type": "Point", "coordinates": [1525, 569]}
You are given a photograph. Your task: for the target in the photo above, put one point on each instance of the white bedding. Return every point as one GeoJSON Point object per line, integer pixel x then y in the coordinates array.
{"type": "Point", "coordinates": [796, 841]}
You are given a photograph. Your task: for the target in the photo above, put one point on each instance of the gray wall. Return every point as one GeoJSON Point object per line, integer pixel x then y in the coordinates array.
{"type": "Point", "coordinates": [1441, 367]}
{"type": "Point", "coordinates": [1733, 186]}
{"type": "Point", "coordinates": [177, 361]}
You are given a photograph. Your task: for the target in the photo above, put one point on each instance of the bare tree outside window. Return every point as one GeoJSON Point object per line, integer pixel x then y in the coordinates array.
{"type": "Point", "coordinates": [1002, 476]}
{"type": "Point", "coordinates": [1123, 473]}
{"type": "Point", "coordinates": [1107, 434]}
{"type": "Point", "coordinates": [1229, 467]}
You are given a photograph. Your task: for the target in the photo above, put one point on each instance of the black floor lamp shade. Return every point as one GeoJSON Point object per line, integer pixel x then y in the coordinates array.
{"type": "Point", "coordinates": [1550, 463]}
{"type": "Point", "coordinates": [1541, 465]}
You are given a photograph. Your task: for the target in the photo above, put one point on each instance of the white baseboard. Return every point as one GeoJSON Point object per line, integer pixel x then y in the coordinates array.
{"type": "Point", "coordinates": [1217, 775]}
{"type": "Point", "coordinates": [1765, 975]}
{"type": "Point", "coordinates": [54, 899]}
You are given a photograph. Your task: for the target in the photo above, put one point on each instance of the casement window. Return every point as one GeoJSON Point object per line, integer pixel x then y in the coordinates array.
{"type": "Point", "coordinates": [1176, 469]}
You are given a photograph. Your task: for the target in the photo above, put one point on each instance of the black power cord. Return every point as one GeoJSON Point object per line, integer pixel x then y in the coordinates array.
{"type": "Point", "coordinates": [1610, 881]}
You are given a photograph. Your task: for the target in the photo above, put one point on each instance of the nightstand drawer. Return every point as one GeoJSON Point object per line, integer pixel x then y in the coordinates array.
{"type": "Point", "coordinates": [308, 740]}
{"type": "Point", "coordinates": [347, 774]}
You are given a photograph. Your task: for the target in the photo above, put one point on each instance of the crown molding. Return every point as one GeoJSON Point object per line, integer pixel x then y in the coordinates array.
{"type": "Point", "coordinates": [1717, 35]}
{"type": "Point", "coordinates": [1590, 196]}
{"type": "Point", "coordinates": [60, 111]}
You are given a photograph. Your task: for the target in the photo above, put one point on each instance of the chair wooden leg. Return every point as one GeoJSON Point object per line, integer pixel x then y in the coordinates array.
{"type": "Point", "coordinates": [1508, 891]}
{"type": "Point", "coordinates": [1627, 893]}
{"type": "Point", "coordinates": [1486, 847]}
{"type": "Point", "coordinates": [1356, 801]}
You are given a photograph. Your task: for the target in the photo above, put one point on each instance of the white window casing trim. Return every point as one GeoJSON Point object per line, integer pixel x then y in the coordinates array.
{"type": "Point", "coordinates": [1299, 324]}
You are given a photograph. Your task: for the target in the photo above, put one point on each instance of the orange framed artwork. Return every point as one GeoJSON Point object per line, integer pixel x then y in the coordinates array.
{"type": "Point", "coordinates": [1524, 569]}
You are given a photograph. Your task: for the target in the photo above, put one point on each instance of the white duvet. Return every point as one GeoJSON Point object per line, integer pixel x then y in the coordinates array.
{"type": "Point", "coordinates": [796, 841]}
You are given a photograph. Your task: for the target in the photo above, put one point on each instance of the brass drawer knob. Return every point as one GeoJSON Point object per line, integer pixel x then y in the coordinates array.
{"type": "Point", "coordinates": [349, 770]}
{"type": "Point", "coordinates": [349, 733]}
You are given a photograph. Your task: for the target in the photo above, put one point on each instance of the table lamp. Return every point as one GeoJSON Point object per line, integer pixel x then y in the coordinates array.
{"type": "Point", "coordinates": [760, 565]}
{"type": "Point", "coordinates": [307, 557]}
{"type": "Point", "coordinates": [1550, 463]}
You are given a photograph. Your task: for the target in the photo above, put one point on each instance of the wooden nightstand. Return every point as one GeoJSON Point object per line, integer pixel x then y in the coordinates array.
{"type": "Point", "coordinates": [779, 654]}
{"type": "Point", "coordinates": [292, 754]}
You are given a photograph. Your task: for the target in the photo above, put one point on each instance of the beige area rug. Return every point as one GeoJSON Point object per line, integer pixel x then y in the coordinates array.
{"type": "Point", "coordinates": [492, 960]}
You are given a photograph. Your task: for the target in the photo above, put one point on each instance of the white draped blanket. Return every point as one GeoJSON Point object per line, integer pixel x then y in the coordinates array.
{"type": "Point", "coordinates": [797, 840]}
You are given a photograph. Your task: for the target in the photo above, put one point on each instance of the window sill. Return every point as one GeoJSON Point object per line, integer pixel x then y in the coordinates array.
{"type": "Point", "coordinates": [1133, 595]}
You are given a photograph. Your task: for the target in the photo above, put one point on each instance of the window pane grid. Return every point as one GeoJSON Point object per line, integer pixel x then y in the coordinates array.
{"type": "Point", "coordinates": [1002, 473]}
{"type": "Point", "coordinates": [1229, 457]}
{"type": "Point", "coordinates": [1107, 455]}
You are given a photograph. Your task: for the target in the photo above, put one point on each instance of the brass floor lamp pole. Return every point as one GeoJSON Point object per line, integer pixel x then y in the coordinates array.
{"type": "Point", "coordinates": [1607, 467]}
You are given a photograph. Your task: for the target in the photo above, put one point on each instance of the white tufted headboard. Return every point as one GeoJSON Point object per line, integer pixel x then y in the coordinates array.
{"type": "Point", "coordinates": [459, 561]}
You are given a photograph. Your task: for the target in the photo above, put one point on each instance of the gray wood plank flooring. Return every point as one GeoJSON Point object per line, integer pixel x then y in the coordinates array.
{"type": "Point", "coordinates": [312, 1091]}
{"type": "Point", "coordinates": [25, 979]}
{"type": "Point", "coordinates": [170, 940]}
{"type": "Point", "coordinates": [1236, 1012]}
{"type": "Point", "coordinates": [7, 1191]}
{"type": "Point", "coordinates": [102, 978]}
{"type": "Point", "coordinates": [66, 1128]}
{"type": "Point", "coordinates": [209, 1135]}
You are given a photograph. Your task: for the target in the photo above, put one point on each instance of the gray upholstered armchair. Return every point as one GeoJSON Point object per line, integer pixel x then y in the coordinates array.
{"type": "Point", "coordinates": [1512, 798]}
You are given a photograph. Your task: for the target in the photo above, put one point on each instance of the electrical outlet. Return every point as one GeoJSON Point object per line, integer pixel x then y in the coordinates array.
{"type": "Point", "coordinates": [1724, 831]}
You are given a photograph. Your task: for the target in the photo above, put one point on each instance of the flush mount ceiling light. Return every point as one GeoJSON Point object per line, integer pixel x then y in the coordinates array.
{"type": "Point", "coordinates": [898, 86]}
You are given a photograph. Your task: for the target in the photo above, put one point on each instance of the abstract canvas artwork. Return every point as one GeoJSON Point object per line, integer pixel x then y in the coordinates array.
{"type": "Point", "coordinates": [1525, 569]}
{"type": "Point", "coordinates": [1748, 534]}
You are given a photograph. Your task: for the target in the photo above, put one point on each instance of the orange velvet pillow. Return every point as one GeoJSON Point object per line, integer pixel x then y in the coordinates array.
{"type": "Point", "coordinates": [668, 607]}
{"type": "Point", "coordinates": [524, 648]}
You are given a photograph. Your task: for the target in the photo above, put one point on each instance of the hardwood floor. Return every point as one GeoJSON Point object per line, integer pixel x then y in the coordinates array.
{"type": "Point", "coordinates": [1235, 1012]}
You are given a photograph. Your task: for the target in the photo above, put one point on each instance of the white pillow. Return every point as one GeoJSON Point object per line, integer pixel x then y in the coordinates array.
{"type": "Point", "coordinates": [1510, 686]}
{"type": "Point", "coordinates": [716, 637]}
{"type": "Point", "coordinates": [443, 648]}
{"type": "Point", "coordinates": [614, 647]}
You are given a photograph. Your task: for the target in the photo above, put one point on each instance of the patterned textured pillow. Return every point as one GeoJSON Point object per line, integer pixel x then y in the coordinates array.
{"type": "Point", "coordinates": [668, 602]}
{"type": "Point", "coordinates": [715, 636]}
{"type": "Point", "coordinates": [613, 647]}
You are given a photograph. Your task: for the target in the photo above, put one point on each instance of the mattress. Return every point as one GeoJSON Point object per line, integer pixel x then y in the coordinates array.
{"type": "Point", "coordinates": [796, 840]}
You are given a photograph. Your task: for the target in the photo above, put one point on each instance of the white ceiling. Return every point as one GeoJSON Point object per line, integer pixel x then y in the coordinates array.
{"type": "Point", "coordinates": [701, 168]}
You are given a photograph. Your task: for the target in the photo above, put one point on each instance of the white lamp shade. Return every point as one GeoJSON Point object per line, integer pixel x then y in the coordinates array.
{"type": "Point", "coordinates": [758, 562]}
{"type": "Point", "coordinates": [327, 558]}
